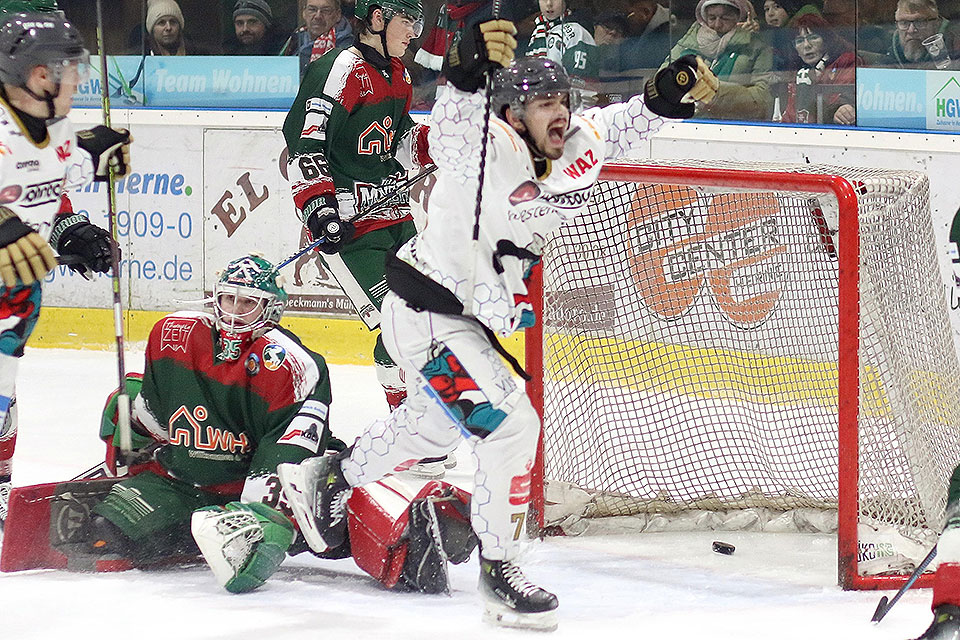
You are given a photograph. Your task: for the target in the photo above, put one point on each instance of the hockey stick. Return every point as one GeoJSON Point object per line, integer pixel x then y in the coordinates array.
{"type": "Point", "coordinates": [401, 186]}
{"type": "Point", "coordinates": [475, 240]}
{"type": "Point", "coordinates": [883, 606]}
{"type": "Point", "coordinates": [123, 399]}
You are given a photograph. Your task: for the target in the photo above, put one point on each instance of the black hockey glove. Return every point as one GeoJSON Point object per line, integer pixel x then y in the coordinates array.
{"type": "Point", "coordinates": [323, 221]}
{"type": "Point", "coordinates": [24, 254]}
{"type": "Point", "coordinates": [672, 92]}
{"type": "Point", "coordinates": [483, 48]}
{"type": "Point", "coordinates": [74, 235]}
{"type": "Point", "coordinates": [108, 148]}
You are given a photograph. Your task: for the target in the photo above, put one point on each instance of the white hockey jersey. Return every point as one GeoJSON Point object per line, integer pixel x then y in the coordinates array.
{"type": "Point", "coordinates": [32, 176]}
{"type": "Point", "coordinates": [519, 211]}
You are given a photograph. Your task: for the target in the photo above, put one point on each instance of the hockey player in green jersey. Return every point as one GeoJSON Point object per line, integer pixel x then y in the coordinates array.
{"type": "Point", "coordinates": [226, 397]}
{"type": "Point", "coordinates": [350, 140]}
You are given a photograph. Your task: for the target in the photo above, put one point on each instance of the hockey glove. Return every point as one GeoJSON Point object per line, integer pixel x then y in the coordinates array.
{"type": "Point", "coordinates": [24, 254]}
{"type": "Point", "coordinates": [74, 235]}
{"type": "Point", "coordinates": [108, 148]}
{"type": "Point", "coordinates": [672, 92]}
{"type": "Point", "coordinates": [486, 47]}
{"type": "Point", "coordinates": [323, 221]}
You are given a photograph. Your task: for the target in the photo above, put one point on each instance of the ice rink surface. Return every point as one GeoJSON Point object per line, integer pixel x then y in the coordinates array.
{"type": "Point", "coordinates": [662, 585]}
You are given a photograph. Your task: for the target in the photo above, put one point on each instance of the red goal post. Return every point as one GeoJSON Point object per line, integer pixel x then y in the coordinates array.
{"type": "Point", "coordinates": [749, 346]}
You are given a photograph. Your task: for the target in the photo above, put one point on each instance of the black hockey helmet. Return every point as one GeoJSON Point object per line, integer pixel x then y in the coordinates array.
{"type": "Point", "coordinates": [29, 40]}
{"type": "Point", "coordinates": [528, 78]}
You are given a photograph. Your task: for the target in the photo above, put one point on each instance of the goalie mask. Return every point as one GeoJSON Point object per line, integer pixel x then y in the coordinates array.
{"type": "Point", "coordinates": [249, 299]}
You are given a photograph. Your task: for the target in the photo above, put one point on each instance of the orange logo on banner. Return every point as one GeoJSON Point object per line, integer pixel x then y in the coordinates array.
{"type": "Point", "coordinates": [679, 240]}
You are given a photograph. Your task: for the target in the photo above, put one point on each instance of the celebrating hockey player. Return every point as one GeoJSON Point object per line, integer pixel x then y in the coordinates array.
{"type": "Point", "coordinates": [946, 582]}
{"type": "Point", "coordinates": [448, 301]}
{"type": "Point", "coordinates": [40, 156]}
{"type": "Point", "coordinates": [350, 138]}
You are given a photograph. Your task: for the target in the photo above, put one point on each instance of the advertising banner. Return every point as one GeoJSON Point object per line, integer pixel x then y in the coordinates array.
{"type": "Point", "coordinates": [220, 82]}
{"type": "Point", "coordinates": [892, 98]}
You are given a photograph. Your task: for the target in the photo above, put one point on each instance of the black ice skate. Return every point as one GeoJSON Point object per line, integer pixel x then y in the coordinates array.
{"type": "Point", "coordinates": [510, 600]}
{"type": "Point", "coordinates": [945, 625]}
{"type": "Point", "coordinates": [317, 492]}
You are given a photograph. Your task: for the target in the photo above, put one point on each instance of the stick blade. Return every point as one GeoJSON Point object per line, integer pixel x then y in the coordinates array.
{"type": "Point", "coordinates": [881, 610]}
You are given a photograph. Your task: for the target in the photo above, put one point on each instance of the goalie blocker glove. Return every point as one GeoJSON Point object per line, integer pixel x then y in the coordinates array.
{"type": "Point", "coordinates": [74, 235]}
{"type": "Point", "coordinates": [24, 254]}
{"type": "Point", "coordinates": [322, 218]}
{"type": "Point", "coordinates": [483, 48]}
{"type": "Point", "coordinates": [108, 148]}
{"type": "Point", "coordinates": [673, 90]}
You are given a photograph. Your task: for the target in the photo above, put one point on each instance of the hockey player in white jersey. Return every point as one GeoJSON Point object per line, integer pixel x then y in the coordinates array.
{"type": "Point", "coordinates": [447, 302]}
{"type": "Point", "coordinates": [42, 60]}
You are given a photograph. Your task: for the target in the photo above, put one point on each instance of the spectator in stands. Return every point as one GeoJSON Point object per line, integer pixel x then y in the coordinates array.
{"type": "Point", "coordinates": [324, 28]}
{"type": "Point", "coordinates": [780, 17]}
{"type": "Point", "coordinates": [559, 36]}
{"type": "Point", "coordinates": [254, 32]}
{"type": "Point", "coordinates": [644, 42]}
{"type": "Point", "coordinates": [164, 27]}
{"type": "Point", "coordinates": [916, 21]}
{"type": "Point", "coordinates": [825, 60]}
{"type": "Point", "coordinates": [738, 57]}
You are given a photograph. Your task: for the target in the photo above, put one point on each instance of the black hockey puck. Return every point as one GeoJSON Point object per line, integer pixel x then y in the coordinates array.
{"type": "Point", "coordinates": [725, 548]}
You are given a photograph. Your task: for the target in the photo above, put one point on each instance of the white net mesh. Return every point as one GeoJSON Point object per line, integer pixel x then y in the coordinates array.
{"type": "Point", "coordinates": [691, 355]}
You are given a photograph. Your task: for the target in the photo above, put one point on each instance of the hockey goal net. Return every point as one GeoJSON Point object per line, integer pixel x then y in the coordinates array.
{"type": "Point", "coordinates": [749, 347]}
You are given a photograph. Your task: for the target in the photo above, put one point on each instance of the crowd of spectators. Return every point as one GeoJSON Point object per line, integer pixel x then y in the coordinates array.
{"type": "Point", "coordinates": [780, 60]}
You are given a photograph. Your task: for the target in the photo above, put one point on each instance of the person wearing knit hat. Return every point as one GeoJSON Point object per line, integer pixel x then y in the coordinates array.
{"type": "Point", "coordinates": [165, 28]}
{"type": "Point", "coordinates": [743, 62]}
{"type": "Point", "coordinates": [254, 33]}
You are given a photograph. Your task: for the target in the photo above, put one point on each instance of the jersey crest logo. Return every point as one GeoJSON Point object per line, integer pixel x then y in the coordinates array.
{"type": "Point", "coordinates": [63, 151]}
{"type": "Point", "coordinates": [204, 439]}
{"type": "Point", "coordinates": [174, 334]}
{"type": "Point", "coordinates": [377, 139]}
{"type": "Point", "coordinates": [273, 356]}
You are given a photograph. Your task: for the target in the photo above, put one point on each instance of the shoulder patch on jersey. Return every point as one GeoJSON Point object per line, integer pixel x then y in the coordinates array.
{"type": "Point", "coordinates": [273, 356]}
{"type": "Point", "coordinates": [305, 428]}
{"type": "Point", "coordinates": [175, 333]}
{"type": "Point", "coordinates": [304, 370]}
{"type": "Point", "coordinates": [252, 364]}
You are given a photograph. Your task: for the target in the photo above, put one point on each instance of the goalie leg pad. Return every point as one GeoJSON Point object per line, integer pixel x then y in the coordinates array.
{"type": "Point", "coordinates": [244, 544]}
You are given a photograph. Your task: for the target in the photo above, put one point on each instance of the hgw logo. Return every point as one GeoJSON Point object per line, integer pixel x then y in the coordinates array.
{"type": "Point", "coordinates": [680, 243]}
{"type": "Point", "coordinates": [204, 438]}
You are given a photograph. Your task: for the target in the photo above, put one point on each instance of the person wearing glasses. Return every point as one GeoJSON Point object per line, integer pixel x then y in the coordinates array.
{"type": "Point", "coordinates": [724, 35]}
{"type": "Point", "coordinates": [825, 59]}
{"type": "Point", "coordinates": [918, 22]}
{"type": "Point", "coordinates": [324, 28]}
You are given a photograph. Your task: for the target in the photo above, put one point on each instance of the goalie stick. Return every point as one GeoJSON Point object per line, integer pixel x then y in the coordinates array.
{"type": "Point", "coordinates": [123, 400]}
{"type": "Point", "coordinates": [883, 606]}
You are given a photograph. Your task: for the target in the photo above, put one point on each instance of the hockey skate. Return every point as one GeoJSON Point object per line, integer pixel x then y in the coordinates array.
{"type": "Point", "coordinates": [945, 625]}
{"type": "Point", "coordinates": [317, 492]}
{"type": "Point", "coordinates": [510, 600]}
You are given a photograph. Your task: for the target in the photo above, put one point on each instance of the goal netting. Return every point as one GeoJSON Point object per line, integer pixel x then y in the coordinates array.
{"type": "Point", "coordinates": [750, 346]}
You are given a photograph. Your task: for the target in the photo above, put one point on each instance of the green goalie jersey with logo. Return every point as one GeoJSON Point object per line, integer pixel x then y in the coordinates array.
{"type": "Point", "coordinates": [566, 42]}
{"type": "Point", "coordinates": [349, 134]}
{"type": "Point", "coordinates": [230, 415]}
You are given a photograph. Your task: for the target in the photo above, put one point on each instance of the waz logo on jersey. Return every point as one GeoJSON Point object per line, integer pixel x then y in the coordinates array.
{"type": "Point", "coordinates": [681, 243]}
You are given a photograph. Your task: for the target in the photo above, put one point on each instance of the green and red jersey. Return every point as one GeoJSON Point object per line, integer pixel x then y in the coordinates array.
{"type": "Point", "coordinates": [230, 416]}
{"type": "Point", "coordinates": [349, 134]}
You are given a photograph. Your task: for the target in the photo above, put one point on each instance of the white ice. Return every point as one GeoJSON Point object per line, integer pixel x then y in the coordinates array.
{"type": "Point", "coordinates": [664, 585]}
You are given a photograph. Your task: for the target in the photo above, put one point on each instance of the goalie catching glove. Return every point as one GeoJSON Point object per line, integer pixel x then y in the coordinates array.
{"type": "Point", "coordinates": [243, 543]}
{"type": "Point", "coordinates": [74, 235]}
{"type": "Point", "coordinates": [322, 218]}
{"type": "Point", "coordinates": [108, 148]}
{"type": "Point", "coordinates": [24, 254]}
{"type": "Point", "coordinates": [672, 92]}
{"type": "Point", "coordinates": [481, 49]}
